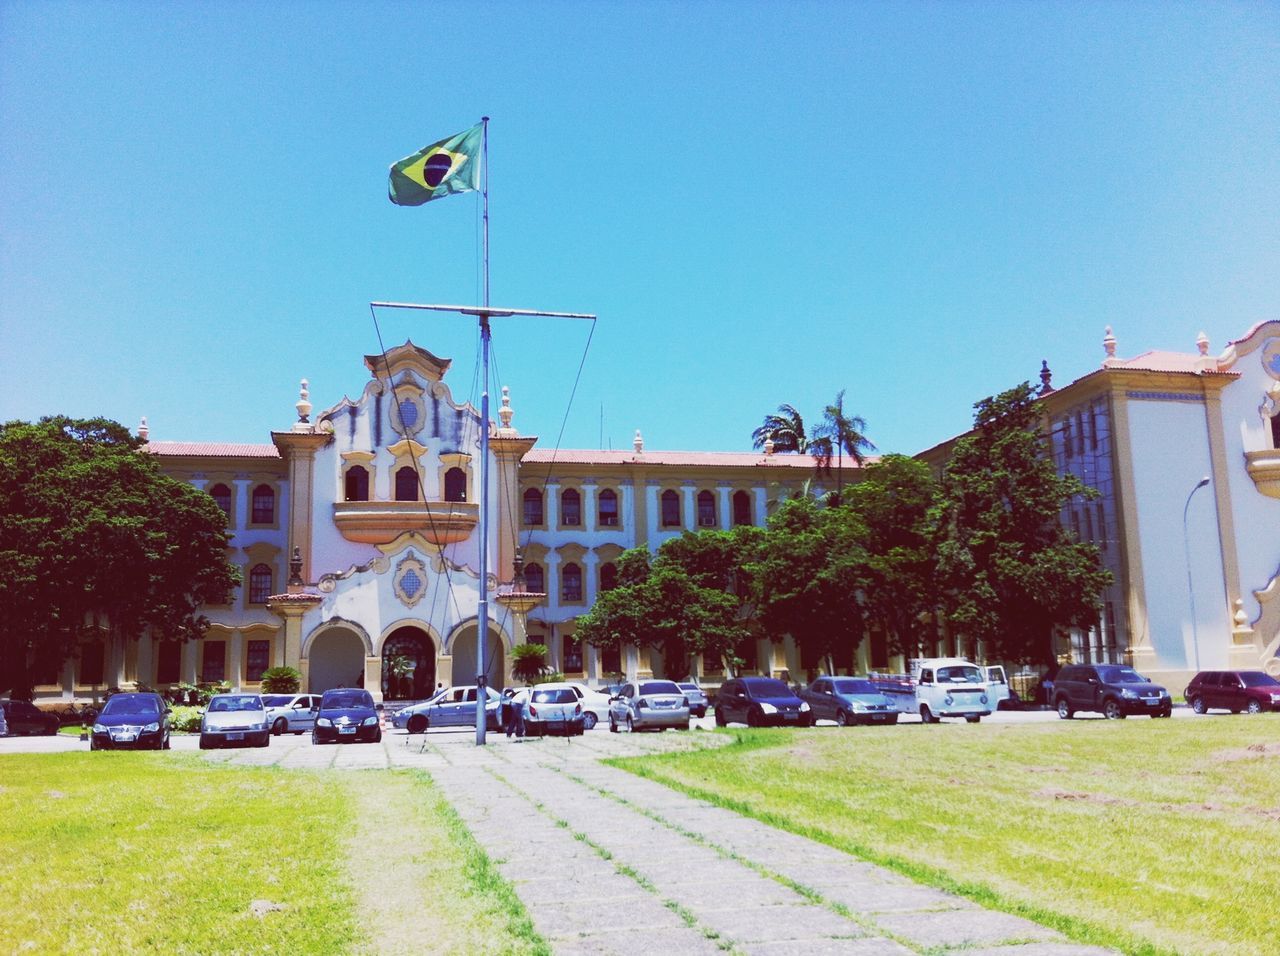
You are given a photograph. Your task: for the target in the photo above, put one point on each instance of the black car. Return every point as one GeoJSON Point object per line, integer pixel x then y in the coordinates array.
{"type": "Point", "coordinates": [344, 715]}
{"type": "Point", "coordinates": [25, 718]}
{"type": "Point", "coordinates": [132, 722]}
{"type": "Point", "coordinates": [760, 702]}
{"type": "Point", "coordinates": [1113, 690]}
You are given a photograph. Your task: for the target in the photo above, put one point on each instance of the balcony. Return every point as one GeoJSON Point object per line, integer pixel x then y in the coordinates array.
{"type": "Point", "coordinates": [381, 522]}
{"type": "Point", "coordinates": [1264, 469]}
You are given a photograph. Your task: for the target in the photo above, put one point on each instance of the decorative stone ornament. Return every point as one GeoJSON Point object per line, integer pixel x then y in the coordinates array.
{"type": "Point", "coordinates": [1270, 359]}
{"type": "Point", "coordinates": [410, 580]}
{"type": "Point", "coordinates": [1109, 346]}
{"type": "Point", "coordinates": [303, 404]}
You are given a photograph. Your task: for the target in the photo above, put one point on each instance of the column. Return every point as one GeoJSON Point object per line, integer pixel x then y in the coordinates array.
{"type": "Point", "coordinates": [235, 659]}
{"type": "Point", "coordinates": [689, 505]}
{"type": "Point", "coordinates": [761, 508]}
{"type": "Point", "coordinates": [551, 504]}
{"type": "Point", "coordinates": [653, 509]}
{"type": "Point", "coordinates": [589, 514]}
{"type": "Point", "coordinates": [724, 494]}
{"type": "Point", "coordinates": [373, 677]}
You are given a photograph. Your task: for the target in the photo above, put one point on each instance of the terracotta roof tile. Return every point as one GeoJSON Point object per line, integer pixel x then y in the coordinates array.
{"type": "Point", "coordinates": [708, 459]}
{"type": "Point", "coordinates": [196, 449]}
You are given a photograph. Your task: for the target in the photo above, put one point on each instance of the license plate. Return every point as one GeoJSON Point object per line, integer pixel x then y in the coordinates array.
{"type": "Point", "coordinates": [235, 736]}
{"type": "Point", "coordinates": [346, 730]}
{"type": "Point", "coordinates": [126, 738]}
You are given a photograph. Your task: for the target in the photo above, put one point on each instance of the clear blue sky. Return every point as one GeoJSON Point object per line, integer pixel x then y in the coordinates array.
{"type": "Point", "coordinates": [764, 203]}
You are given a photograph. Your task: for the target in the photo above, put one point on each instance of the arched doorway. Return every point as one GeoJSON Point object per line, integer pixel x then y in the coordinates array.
{"type": "Point", "coordinates": [335, 659]}
{"type": "Point", "coordinates": [463, 648]}
{"type": "Point", "coordinates": [408, 664]}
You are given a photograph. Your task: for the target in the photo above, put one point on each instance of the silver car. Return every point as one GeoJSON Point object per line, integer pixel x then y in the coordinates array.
{"type": "Point", "coordinates": [642, 705]}
{"type": "Point", "coordinates": [290, 713]}
{"type": "Point", "coordinates": [696, 696]}
{"type": "Point", "coordinates": [234, 719]}
{"type": "Point", "coordinates": [452, 707]}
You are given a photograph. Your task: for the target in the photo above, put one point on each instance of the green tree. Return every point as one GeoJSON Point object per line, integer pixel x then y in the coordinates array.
{"type": "Point", "coordinates": [1010, 572]}
{"type": "Point", "coordinates": [895, 502]}
{"type": "Point", "coordinates": [810, 576]}
{"type": "Point", "coordinates": [785, 428]}
{"type": "Point", "coordinates": [840, 434]}
{"type": "Point", "coordinates": [95, 541]}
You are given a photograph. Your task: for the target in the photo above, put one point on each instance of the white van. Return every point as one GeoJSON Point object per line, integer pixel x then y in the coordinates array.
{"type": "Point", "coordinates": [950, 687]}
{"type": "Point", "coordinates": [997, 685]}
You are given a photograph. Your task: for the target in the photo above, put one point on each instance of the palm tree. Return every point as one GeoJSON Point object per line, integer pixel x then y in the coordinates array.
{"type": "Point", "coordinates": [786, 428]}
{"type": "Point", "coordinates": [840, 433]}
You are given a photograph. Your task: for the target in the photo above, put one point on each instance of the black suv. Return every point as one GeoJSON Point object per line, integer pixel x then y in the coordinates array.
{"type": "Point", "coordinates": [1113, 690]}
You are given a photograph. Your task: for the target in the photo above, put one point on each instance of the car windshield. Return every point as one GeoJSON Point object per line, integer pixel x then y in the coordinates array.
{"type": "Point", "coordinates": [560, 695]}
{"type": "Point", "coordinates": [351, 698]}
{"type": "Point", "coordinates": [222, 705]}
{"type": "Point", "coordinates": [767, 687]}
{"type": "Point", "coordinates": [959, 674]}
{"type": "Point", "coordinates": [131, 705]}
{"type": "Point", "coordinates": [1120, 675]}
{"type": "Point", "coordinates": [692, 687]}
{"type": "Point", "coordinates": [855, 687]}
{"type": "Point", "coordinates": [659, 687]}
{"type": "Point", "coordinates": [276, 700]}
{"type": "Point", "coordinates": [1258, 679]}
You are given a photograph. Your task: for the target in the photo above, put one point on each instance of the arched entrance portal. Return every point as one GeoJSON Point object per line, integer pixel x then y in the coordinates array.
{"type": "Point", "coordinates": [408, 664]}
{"type": "Point", "coordinates": [464, 656]}
{"type": "Point", "coordinates": [336, 659]}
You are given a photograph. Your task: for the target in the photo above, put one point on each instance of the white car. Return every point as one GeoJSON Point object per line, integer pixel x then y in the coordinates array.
{"type": "Point", "coordinates": [595, 705]}
{"type": "Point", "coordinates": [234, 719]}
{"type": "Point", "coordinates": [290, 713]}
{"type": "Point", "coordinates": [649, 704]}
{"type": "Point", "coordinates": [550, 709]}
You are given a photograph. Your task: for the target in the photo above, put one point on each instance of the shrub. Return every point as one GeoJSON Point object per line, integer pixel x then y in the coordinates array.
{"type": "Point", "coordinates": [528, 662]}
{"type": "Point", "coordinates": [281, 680]}
{"type": "Point", "coordinates": [184, 720]}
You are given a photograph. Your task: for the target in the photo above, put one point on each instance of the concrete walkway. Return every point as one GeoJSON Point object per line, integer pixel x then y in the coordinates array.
{"type": "Point", "coordinates": [607, 862]}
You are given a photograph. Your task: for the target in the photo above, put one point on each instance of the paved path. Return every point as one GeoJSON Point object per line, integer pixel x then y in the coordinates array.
{"type": "Point", "coordinates": [606, 862]}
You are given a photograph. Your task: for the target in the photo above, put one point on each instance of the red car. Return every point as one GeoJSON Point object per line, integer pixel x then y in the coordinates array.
{"type": "Point", "coordinates": [1250, 691]}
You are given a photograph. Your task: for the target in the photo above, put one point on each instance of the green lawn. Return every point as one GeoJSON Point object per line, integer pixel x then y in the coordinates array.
{"type": "Point", "coordinates": [1150, 836]}
{"type": "Point", "coordinates": [165, 852]}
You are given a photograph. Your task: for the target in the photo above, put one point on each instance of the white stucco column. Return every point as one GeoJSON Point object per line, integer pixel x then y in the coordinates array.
{"type": "Point", "coordinates": [689, 508]}
{"type": "Point", "coordinates": [761, 507]}
{"type": "Point", "coordinates": [551, 502]}
{"type": "Point", "coordinates": [724, 515]}
{"type": "Point", "coordinates": [589, 515]}
{"type": "Point", "coordinates": [653, 507]}
{"type": "Point", "coordinates": [235, 659]}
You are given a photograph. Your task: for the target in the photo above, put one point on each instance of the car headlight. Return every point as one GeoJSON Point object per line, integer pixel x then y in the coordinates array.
{"type": "Point", "coordinates": [948, 700]}
{"type": "Point", "coordinates": [99, 728]}
{"type": "Point", "coordinates": [804, 707]}
{"type": "Point", "coordinates": [151, 728]}
{"type": "Point", "coordinates": [1126, 692]}
{"type": "Point", "coordinates": [258, 726]}
{"type": "Point", "coordinates": [323, 722]}
{"type": "Point", "coordinates": [767, 708]}
{"type": "Point", "coordinates": [1275, 698]}
{"type": "Point", "coordinates": [983, 698]}
{"type": "Point", "coordinates": [858, 706]}
{"type": "Point", "coordinates": [369, 721]}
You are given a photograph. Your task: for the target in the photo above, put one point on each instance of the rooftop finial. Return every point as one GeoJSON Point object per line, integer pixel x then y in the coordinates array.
{"type": "Point", "coordinates": [1109, 345]}
{"type": "Point", "coordinates": [295, 568]}
{"type": "Point", "coordinates": [303, 404]}
{"type": "Point", "coordinates": [1202, 343]}
{"type": "Point", "coordinates": [144, 433]}
{"type": "Point", "coordinates": [1046, 377]}
{"type": "Point", "coordinates": [768, 446]}
{"type": "Point", "coordinates": [638, 442]}
{"type": "Point", "coordinates": [506, 411]}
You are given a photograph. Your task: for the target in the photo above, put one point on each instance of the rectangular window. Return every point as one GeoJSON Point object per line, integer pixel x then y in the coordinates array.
{"type": "Point", "coordinates": [168, 662]}
{"type": "Point", "coordinates": [214, 666]}
{"type": "Point", "coordinates": [92, 663]}
{"type": "Point", "coordinates": [257, 660]}
{"type": "Point", "coordinates": [572, 656]}
{"type": "Point", "coordinates": [608, 509]}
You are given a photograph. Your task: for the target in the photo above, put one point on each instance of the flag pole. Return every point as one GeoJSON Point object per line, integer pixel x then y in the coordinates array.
{"type": "Point", "coordinates": [482, 633]}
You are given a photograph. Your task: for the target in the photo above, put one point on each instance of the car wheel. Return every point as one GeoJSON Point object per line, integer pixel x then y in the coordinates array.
{"type": "Point", "coordinates": [842, 719]}
{"type": "Point", "coordinates": [588, 721]}
{"type": "Point", "coordinates": [93, 744]}
{"type": "Point", "coordinates": [613, 725]}
{"type": "Point", "coordinates": [51, 730]}
{"type": "Point", "coordinates": [721, 720]}
{"type": "Point", "coordinates": [1197, 704]}
{"type": "Point", "coordinates": [754, 718]}
{"type": "Point", "coordinates": [280, 726]}
{"type": "Point", "coordinates": [927, 716]}
{"type": "Point", "coordinates": [631, 725]}
{"type": "Point", "coordinates": [1111, 710]}
{"type": "Point", "coordinates": [166, 742]}
{"type": "Point", "coordinates": [973, 718]}
{"type": "Point", "coordinates": [1254, 707]}
{"type": "Point", "coordinates": [377, 738]}
{"type": "Point", "coordinates": [418, 724]}
{"type": "Point", "coordinates": [893, 719]}
{"type": "Point", "coordinates": [1064, 709]}
{"type": "Point", "coordinates": [1167, 712]}
{"type": "Point", "coordinates": [204, 744]}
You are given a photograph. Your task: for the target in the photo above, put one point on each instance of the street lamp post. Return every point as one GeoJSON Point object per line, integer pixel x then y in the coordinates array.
{"type": "Point", "coordinates": [1191, 591]}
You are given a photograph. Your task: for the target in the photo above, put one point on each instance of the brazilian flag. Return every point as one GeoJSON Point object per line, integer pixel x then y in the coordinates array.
{"type": "Point", "coordinates": [433, 172]}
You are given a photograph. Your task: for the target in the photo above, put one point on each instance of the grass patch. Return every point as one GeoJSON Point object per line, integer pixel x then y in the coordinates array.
{"type": "Point", "coordinates": [147, 852]}
{"type": "Point", "coordinates": [1147, 836]}
{"type": "Point", "coordinates": [472, 907]}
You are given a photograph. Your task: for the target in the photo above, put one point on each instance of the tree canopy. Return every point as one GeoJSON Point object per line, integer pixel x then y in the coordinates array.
{"type": "Point", "coordinates": [1010, 573]}
{"type": "Point", "coordinates": [95, 540]}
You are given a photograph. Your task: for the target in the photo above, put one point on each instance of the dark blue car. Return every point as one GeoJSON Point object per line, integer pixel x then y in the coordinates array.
{"type": "Point", "coordinates": [346, 714]}
{"type": "Point", "coordinates": [760, 702]}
